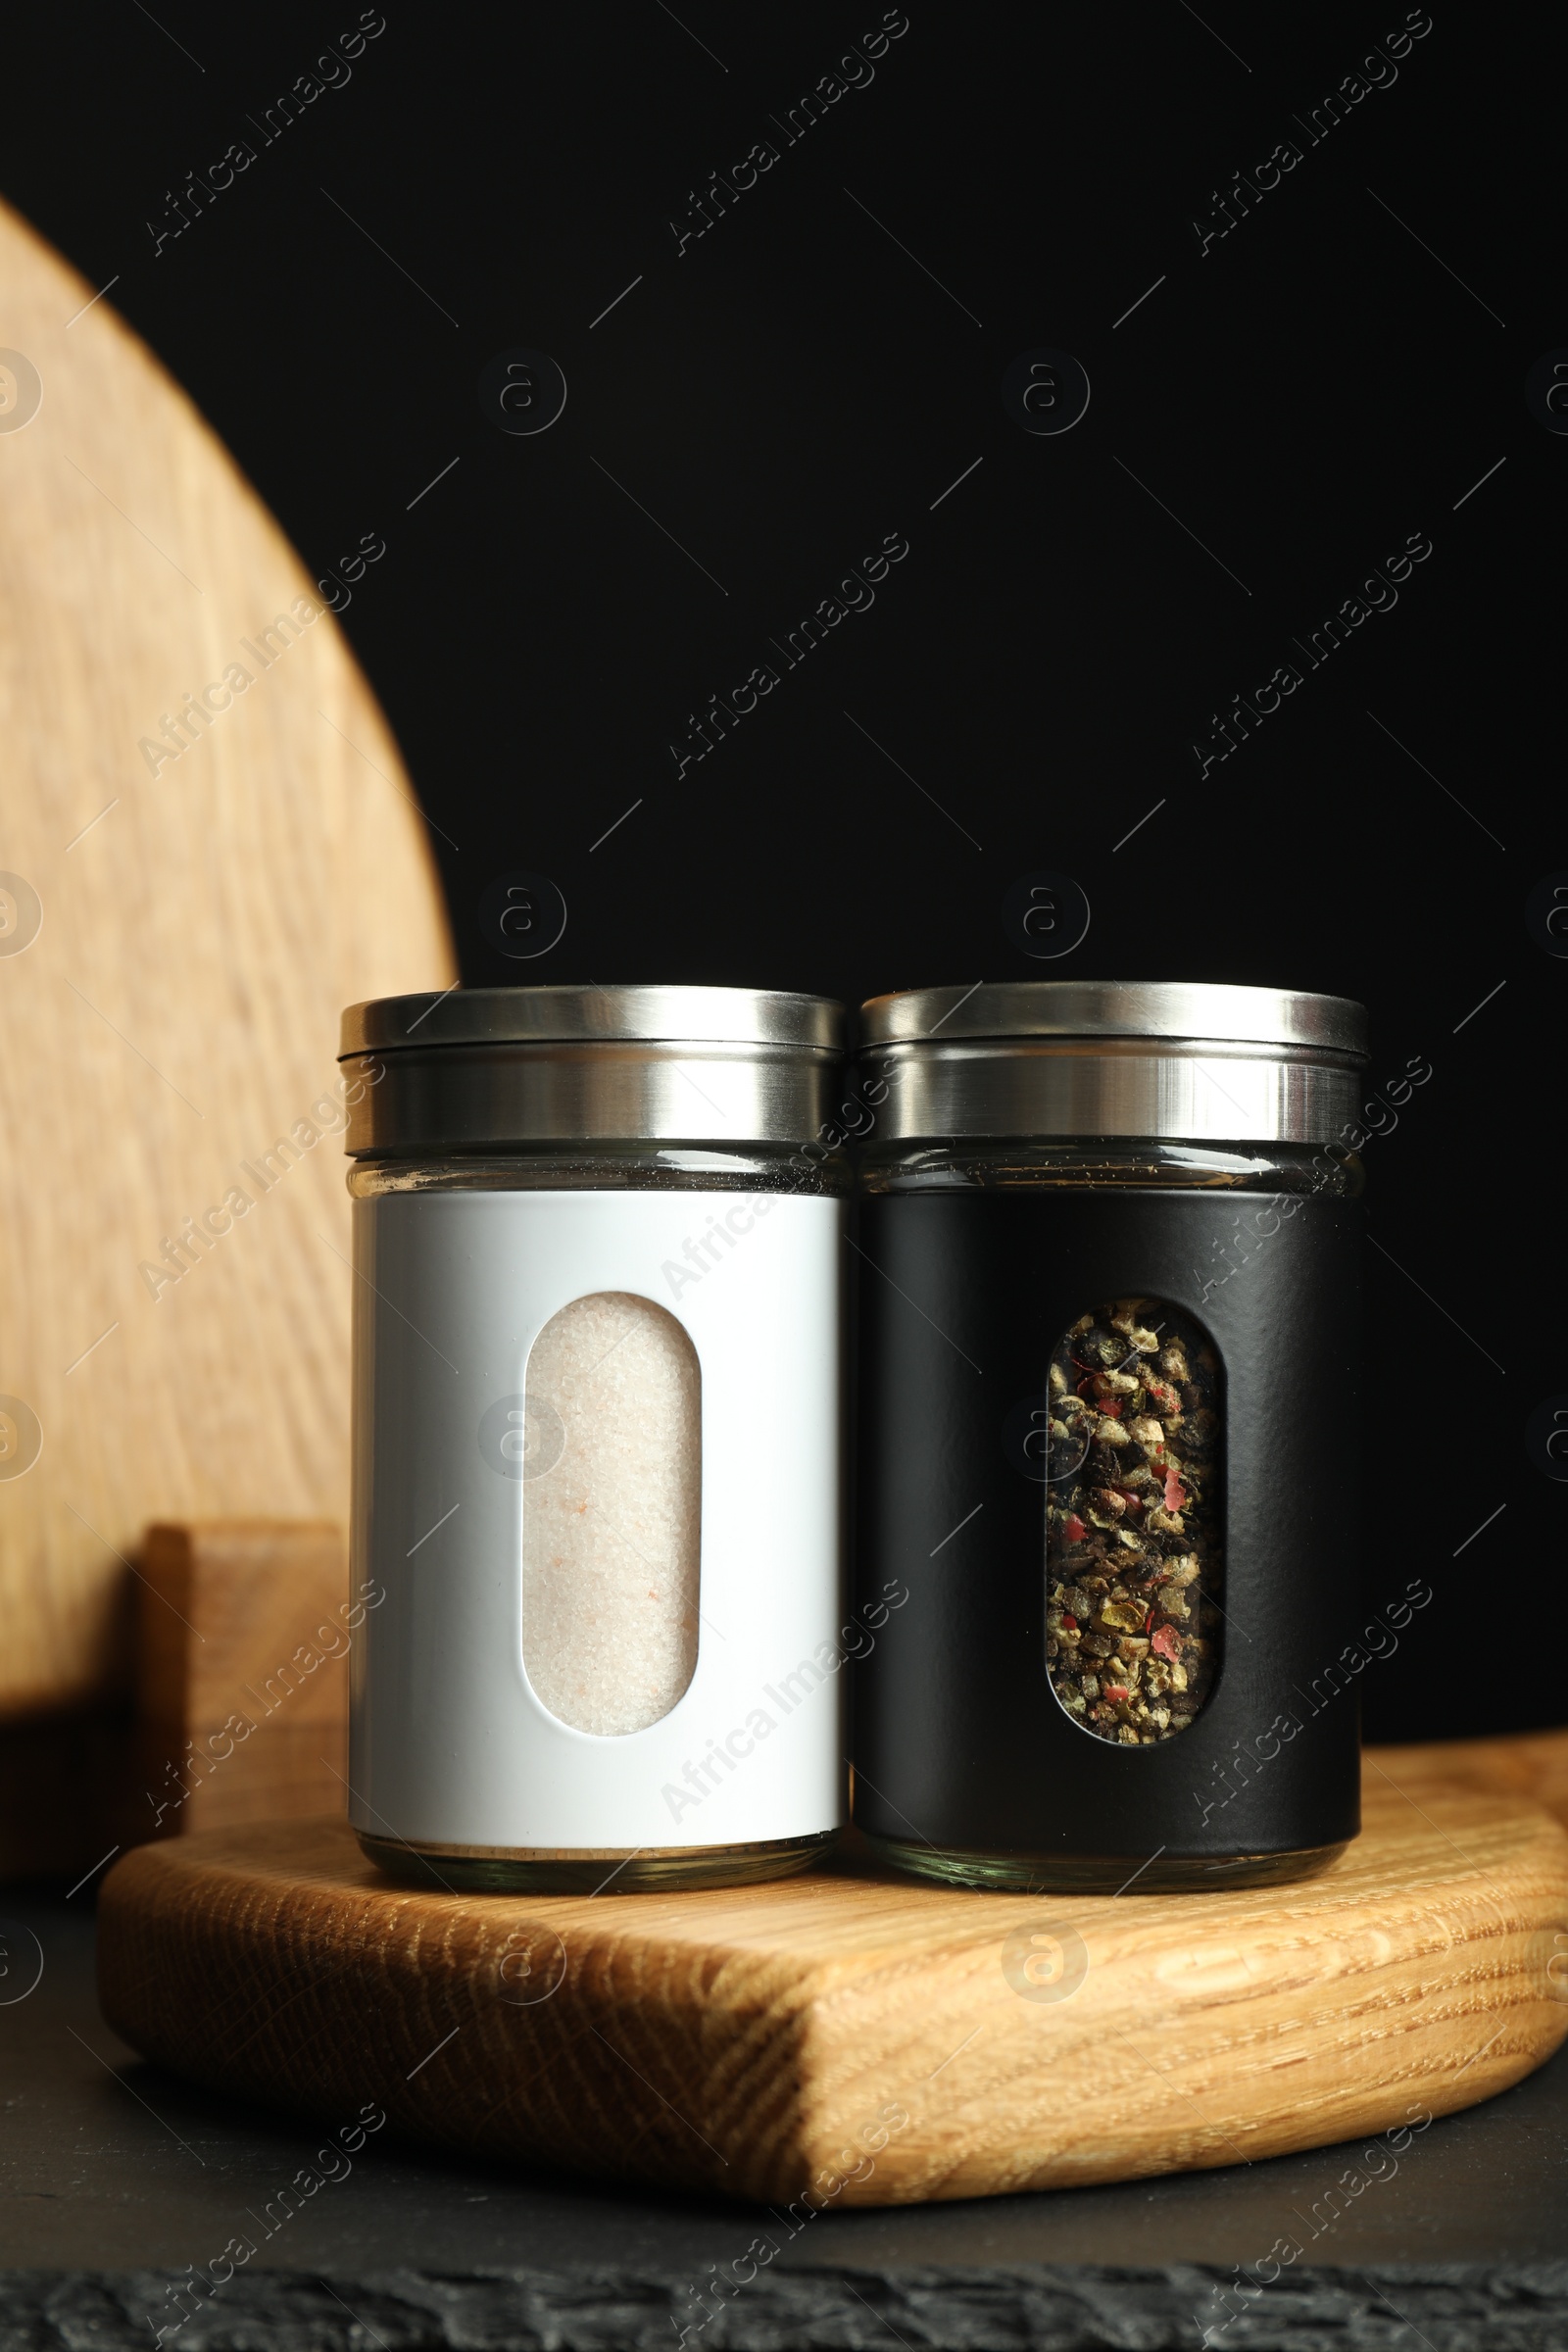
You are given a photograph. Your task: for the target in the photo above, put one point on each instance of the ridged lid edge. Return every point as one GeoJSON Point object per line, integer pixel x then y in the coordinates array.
{"type": "Point", "coordinates": [1177, 1011]}
{"type": "Point", "coordinates": [655, 1012]}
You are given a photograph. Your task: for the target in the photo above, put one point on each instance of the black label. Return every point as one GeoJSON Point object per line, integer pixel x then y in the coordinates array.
{"type": "Point", "coordinates": [960, 1738]}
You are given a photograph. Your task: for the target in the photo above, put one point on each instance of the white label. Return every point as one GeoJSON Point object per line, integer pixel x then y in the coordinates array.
{"type": "Point", "coordinates": [451, 1744]}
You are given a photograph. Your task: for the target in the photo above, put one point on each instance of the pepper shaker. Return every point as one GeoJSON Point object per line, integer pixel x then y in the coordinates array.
{"type": "Point", "coordinates": [1108, 1398]}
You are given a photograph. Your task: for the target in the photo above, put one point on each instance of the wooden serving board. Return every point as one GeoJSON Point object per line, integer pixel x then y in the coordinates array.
{"type": "Point", "coordinates": [849, 2036]}
{"type": "Point", "coordinates": [1533, 1765]}
{"type": "Point", "coordinates": [175, 948]}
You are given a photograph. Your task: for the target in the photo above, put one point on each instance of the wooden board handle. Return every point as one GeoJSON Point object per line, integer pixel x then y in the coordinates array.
{"type": "Point", "coordinates": [246, 1627]}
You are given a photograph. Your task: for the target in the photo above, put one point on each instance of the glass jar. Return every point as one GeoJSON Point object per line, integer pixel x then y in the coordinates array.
{"type": "Point", "coordinates": [596, 1504]}
{"type": "Point", "coordinates": [1109, 1433]}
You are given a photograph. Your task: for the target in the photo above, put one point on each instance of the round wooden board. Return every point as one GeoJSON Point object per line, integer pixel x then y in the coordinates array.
{"type": "Point", "coordinates": [766, 2043]}
{"type": "Point", "coordinates": [176, 1011]}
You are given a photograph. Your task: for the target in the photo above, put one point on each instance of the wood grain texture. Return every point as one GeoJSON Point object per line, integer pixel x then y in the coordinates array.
{"type": "Point", "coordinates": [762, 2042]}
{"type": "Point", "coordinates": [1526, 1764]}
{"type": "Point", "coordinates": [242, 1691]}
{"type": "Point", "coordinates": [176, 1012]}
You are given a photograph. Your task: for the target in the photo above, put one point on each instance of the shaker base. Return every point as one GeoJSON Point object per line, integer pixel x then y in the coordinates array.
{"type": "Point", "coordinates": [1096, 1873]}
{"type": "Point", "coordinates": [489, 1871]}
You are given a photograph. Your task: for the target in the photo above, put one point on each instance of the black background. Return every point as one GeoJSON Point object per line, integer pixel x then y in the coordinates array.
{"type": "Point", "coordinates": [795, 384]}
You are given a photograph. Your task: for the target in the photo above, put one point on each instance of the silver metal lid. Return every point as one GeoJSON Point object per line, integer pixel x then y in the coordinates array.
{"type": "Point", "coordinates": [1176, 1061]}
{"type": "Point", "coordinates": [493, 1069]}
{"type": "Point", "coordinates": [1152, 1008]}
{"type": "Point", "coordinates": [494, 1016]}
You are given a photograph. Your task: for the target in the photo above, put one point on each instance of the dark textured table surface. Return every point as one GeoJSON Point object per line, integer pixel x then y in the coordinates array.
{"type": "Point", "coordinates": [118, 2180]}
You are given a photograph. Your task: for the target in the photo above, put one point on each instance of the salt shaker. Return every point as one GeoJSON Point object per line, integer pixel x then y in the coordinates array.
{"type": "Point", "coordinates": [599, 1259]}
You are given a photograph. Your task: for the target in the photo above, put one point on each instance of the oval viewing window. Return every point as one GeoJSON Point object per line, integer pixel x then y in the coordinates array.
{"type": "Point", "coordinates": [1133, 1563]}
{"type": "Point", "coordinates": [611, 1527]}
